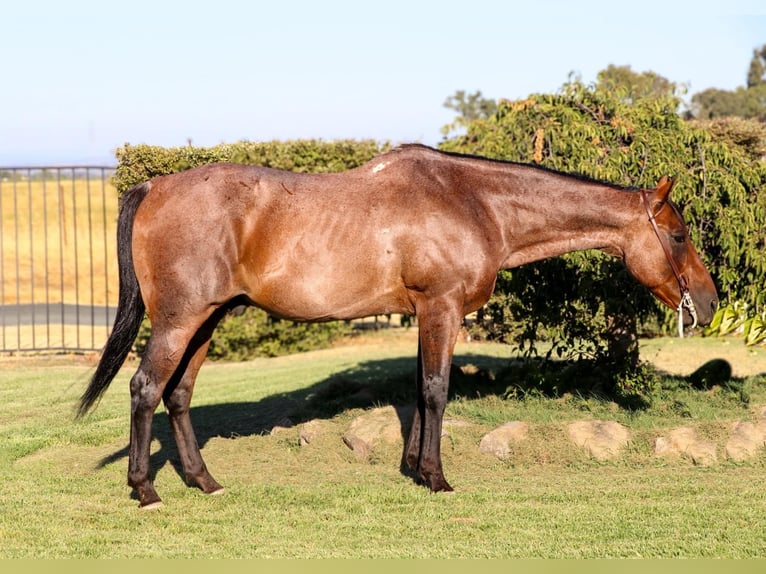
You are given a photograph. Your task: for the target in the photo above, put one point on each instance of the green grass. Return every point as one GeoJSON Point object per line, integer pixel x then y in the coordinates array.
{"type": "Point", "coordinates": [63, 492]}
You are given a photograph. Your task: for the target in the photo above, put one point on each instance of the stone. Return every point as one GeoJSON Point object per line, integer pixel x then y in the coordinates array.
{"type": "Point", "coordinates": [281, 426]}
{"type": "Point", "coordinates": [381, 425]}
{"type": "Point", "coordinates": [308, 432]}
{"type": "Point", "coordinates": [683, 441]}
{"type": "Point", "coordinates": [602, 440]}
{"type": "Point", "coordinates": [498, 441]}
{"type": "Point", "coordinates": [745, 440]}
{"type": "Point", "coordinates": [677, 441]}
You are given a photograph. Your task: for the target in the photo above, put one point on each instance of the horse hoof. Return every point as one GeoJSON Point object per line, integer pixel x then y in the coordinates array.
{"type": "Point", "coordinates": [216, 492]}
{"type": "Point", "coordinates": [442, 486]}
{"type": "Point", "coordinates": [152, 505]}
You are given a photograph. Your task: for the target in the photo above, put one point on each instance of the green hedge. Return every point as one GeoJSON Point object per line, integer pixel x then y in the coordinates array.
{"type": "Point", "coordinates": [252, 333]}
{"type": "Point", "coordinates": [585, 303]}
{"type": "Point", "coordinates": [139, 163]}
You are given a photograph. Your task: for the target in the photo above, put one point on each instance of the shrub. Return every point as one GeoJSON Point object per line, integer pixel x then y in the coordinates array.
{"type": "Point", "coordinates": [584, 304]}
{"type": "Point", "coordinates": [140, 163]}
{"type": "Point", "coordinates": [253, 333]}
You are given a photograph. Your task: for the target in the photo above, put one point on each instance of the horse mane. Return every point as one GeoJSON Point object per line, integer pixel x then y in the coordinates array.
{"type": "Point", "coordinates": [472, 157]}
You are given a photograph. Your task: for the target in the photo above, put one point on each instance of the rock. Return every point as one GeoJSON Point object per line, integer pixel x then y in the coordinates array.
{"type": "Point", "coordinates": [601, 439]}
{"type": "Point", "coordinates": [703, 453]}
{"type": "Point", "coordinates": [677, 441]}
{"type": "Point", "coordinates": [376, 426]}
{"type": "Point", "coordinates": [683, 441]}
{"type": "Point", "coordinates": [309, 432]}
{"type": "Point", "coordinates": [282, 425]}
{"type": "Point", "coordinates": [498, 442]}
{"type": "Point", "coordinates": [745, 440]}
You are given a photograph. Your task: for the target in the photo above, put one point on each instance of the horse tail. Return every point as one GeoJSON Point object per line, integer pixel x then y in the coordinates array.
{"type": "Point", "coordinates": [130, 308]}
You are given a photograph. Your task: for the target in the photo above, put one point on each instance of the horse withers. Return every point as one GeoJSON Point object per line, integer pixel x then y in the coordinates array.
{"type": "Point", "coordinates": [414, 231]}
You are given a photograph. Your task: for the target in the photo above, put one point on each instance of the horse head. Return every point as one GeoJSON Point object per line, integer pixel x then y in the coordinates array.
{"type": "Point", "coordinates": [660, 255]}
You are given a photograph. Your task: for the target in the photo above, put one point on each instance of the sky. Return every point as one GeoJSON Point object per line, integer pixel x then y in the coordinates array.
{"type": "Point", "coordinates": [80, 78]}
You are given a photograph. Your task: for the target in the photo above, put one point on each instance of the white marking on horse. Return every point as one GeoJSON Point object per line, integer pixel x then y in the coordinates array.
{"type": "Point", "coordinates": [382, 165]}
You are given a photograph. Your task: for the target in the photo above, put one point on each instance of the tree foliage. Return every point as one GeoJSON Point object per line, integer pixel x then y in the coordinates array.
{"type": "Point", "coordinates": [749, 136]}
{"type": "Point", "coordinates": [747, 101]}
{"type": "Point", "coordinates": [742, 102]}
{"type": "Point", "coordinates": [584, 303]}
{"type": "Point", "coordinates": [635, 85]}
{"type": "Point", "coordinates": [139, 163]}
{"type": "Point", "coordinates": [756, 74]}
{"type": "Point", "coordinates": [469, 107]}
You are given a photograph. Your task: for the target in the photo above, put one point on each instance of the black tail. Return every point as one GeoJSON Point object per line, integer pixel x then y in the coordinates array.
{"type": "Point", "coordinates": [130, 309]}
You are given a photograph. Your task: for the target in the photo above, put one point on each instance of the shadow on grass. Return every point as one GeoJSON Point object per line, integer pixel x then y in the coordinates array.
{"type": "Point", "coordinates": [370, 384]}
{"type": "Point", "coordinates": [387, 382]}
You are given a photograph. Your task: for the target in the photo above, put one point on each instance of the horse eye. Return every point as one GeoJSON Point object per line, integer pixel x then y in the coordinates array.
{"type": "Point", "coordinates": [679, 238]}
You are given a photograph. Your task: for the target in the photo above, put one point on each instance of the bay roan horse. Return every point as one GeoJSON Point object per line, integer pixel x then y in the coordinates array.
{"type": "Point", "coordinates": [414, 231]}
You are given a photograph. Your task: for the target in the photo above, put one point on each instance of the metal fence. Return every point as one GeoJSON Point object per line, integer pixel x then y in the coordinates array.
{"type": "Point", "coordinates": [58, 270]}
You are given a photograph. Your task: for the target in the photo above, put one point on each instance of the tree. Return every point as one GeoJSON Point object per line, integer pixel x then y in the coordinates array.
{"type": "Point", "coordinates": [469, 107]}
{"type": "Point", "coordinates": [744, 102]}
{"type": "Point", "coordinates": [757, 71]}
{"type": "Point", "coordinates": [634, 85]}
{"type": "Point", "coordinates": [584, 304]}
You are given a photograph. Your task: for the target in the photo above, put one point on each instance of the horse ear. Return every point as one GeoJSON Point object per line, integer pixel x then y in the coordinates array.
{"type": "Point", "coordinates": [661, 192]}
{"type": "Point", "coordinates": [664, 186]}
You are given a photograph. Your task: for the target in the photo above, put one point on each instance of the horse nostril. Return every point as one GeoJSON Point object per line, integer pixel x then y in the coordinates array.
{"type": "Point", "coordinates": [714, 305]}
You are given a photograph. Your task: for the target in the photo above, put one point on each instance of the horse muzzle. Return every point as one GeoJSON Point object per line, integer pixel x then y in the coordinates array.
{"type": "Point", "coordinates": [696, 311]}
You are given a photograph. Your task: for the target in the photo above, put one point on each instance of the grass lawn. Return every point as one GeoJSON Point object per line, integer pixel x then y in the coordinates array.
{"type": "Point", "coordinates": [63, 492]}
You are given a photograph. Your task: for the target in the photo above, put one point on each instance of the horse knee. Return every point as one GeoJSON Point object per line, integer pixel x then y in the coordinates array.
{"type": "Point", "coordinates": [435, 391]}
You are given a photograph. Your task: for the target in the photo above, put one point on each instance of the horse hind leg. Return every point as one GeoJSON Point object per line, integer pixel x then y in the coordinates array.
{"type": "Point", "coordinates": [167, 349]}
{"type": "Point", "coordinates": [177, 399]}
{"type": "Point", "coordinates": [145, 395]}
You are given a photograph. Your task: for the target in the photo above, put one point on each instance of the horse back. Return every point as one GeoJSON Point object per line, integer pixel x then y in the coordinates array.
{"type": "Point", "coordinates": [313, 247]}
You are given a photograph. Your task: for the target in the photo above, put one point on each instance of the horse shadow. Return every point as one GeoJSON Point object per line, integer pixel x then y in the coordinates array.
{"type": "Point", "coordinates": [376, 383]}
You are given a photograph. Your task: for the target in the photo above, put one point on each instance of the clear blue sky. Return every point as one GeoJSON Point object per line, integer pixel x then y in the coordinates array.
{"type": "Point", "coordinates": [80, 78]}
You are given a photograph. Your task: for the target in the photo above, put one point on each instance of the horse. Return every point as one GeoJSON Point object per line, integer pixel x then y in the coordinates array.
{"type": "Point", "coordinates": [415, 231]}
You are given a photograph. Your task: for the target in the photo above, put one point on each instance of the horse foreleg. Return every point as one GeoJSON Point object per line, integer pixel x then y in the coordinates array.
{"type": "Point", "coordinates": [439, 324]}
{"type": "Point", "coordinates": [177, 401]}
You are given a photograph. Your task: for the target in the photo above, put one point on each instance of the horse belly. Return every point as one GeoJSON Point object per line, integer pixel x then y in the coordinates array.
{"type": "Point", "coordinates": [314, 295]}
{"type": "Point", "coordinates": [310, 282]}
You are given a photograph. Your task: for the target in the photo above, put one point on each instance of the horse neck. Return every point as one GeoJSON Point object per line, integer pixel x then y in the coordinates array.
{"type": "Point", "coordinates": [547, 214]}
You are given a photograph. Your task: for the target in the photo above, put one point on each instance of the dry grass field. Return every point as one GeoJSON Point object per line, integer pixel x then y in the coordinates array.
{"type": "Point", "coordinates": [57, 245]}
{"type": "Point", "coordinates": [57, 241]}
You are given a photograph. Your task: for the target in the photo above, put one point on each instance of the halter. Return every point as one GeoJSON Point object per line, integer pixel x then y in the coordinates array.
{"type": "Point", "coordinates": [686, 299]}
